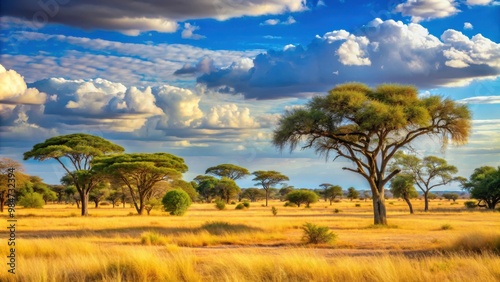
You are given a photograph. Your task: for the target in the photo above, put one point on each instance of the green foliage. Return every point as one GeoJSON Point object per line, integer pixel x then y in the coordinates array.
{"type": "Point", "coordinates": [315, 234]}
{"type": "Point", "coordinates": [221, 228]}
{"type": "Point", "coordinates": [352, 193]}
{"type": "Point", "coordinates": [226, 188]}
{"type": "Point", "coordinates": [357, 205]}
{"type": "Point", "coordinates": [484, 185]}
{"type": "Point", "coordinates": [230, 171]}
{"type": "Point", "coordinates": [451, 196]}
{"type": "Point", "coordinates": [470, 204]}
{"type": "Point", "coordinates": [220, 204]}
{"type": "Point", "coordinates": [274, 210]}
{"type": "Point", "coordinates": [299, 197]}
{"type": "Point", "coordinates": [336, 210]}
{"type": "Point", "coordinates": [351, 119]}
{"type": "Point", "coordinates": [206, 187]}
{"type": "Point", "coordinates": [239, 206]}
{"type": "Point", "coordinates": [176, 202]}
{"type": "Point", "coordinates": [402, 187]}
{"type": "Point", "coordinates": [152, 204]}
{"type": "Point", "coordinates": [153, 238]}
{"type": "Point", "coordinates": [332, 192]}
{"type": "Point", "coordinates": [290, 204]}
{"type": "Point", "coordinates": [253, 194]}
{"type": "Point", "coordinates": [268, 179]}
{"type": "Point", "coordinates": [31, 200]}
{"type": "Point", "coordinates": [187, 187]}
{"type": "Point", "coordinates": [432, 196]}
{"type": "Point", "coordinates": [446, 227]}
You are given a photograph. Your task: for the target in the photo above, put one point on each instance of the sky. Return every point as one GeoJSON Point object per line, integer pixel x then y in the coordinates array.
{"type": "Point", "coordinates": [207, 80]}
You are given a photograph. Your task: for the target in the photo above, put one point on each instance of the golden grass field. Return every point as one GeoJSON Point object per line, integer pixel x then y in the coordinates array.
{"type": "Point", "coordinates": [449, 243]}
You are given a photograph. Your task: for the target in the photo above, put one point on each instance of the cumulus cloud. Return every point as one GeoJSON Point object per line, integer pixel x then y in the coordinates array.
{"type": "Point", "coordinates": [205, 65]}
{"type": "Point", "coordinates": [290, 20]}
{"type": "Point", "coordinates": [481, 100]}
{"type": "Point", "coordinates": [468, 25]}
{"type": "Point", "coordinates": [382, 51]}
{"type": "Point", "coordinates": [132, 17]}
{"type": "Point", "coordinates": [479, 2]}
{"type": "Point", "coordinates": [188, 32]}
{"type": "Point", "coordinates": [420, 10]}
{"type": "Point", "coordinates": [181, 107]}
{"type": "Point", "coordinates": [229, 116]}
{"type": "Point", "coordinates": [13, 89]}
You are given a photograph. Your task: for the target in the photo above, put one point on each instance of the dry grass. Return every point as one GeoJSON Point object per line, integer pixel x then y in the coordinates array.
{"type": "Point", "coordinates": [253, 245]}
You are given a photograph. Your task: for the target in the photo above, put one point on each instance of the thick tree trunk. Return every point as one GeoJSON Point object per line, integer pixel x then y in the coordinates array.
{"type": "Point", "coordinates": [267, 195]}
{"type": "Point", "coordinates": [426, 201]}
{"type": "Point", "coordinates": [407, 200]}
{"type": "Point", "coordinates": [331, 201]}
{"type": "Point", "coordinates": [379, 211]}
{"type": "Point", "coordinates": [84, 198]}
{"type": "Point", "coordinates": [96, 204]}
{"type": "Point", "coordinates": [2, 200]}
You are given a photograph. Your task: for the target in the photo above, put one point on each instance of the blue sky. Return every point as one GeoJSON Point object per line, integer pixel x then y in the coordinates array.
{"type": "Point", "coordinates": [207, 80]}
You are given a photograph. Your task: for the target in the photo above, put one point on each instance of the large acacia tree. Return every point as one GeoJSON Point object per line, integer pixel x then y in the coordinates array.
{"type": "Point", "coordinates": [75, 153]}
{"type": "Point", "coordinates": [268, 179]}
{"type": "Point", "coordinates": [484, 185]}
{"type": "Point", "coordinates": [140, 172]}
{"type": "Point", "coordinates": [6, 164]}
{"type": "Point", "coordinates": [368, 126]}
{"type": "Point", "coordinates": [427, 173]}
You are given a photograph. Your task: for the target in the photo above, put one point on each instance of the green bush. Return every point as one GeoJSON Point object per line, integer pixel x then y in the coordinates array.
{"type": "Point", "coordinates": [274, 210]}
{"type": "Point", "coordinates": [315, 234]}
{"type": "Point", "coordinates": [357, 205]}
{"type": "Point", "coordinates": [246, 204]}
{"type": "Point", "coordinates": [239, 206]}
{"type": "Point", "coordinates": [470, 204]}
{"type": "Point", "coordinates": [446, 227]}
{"type": "Point", "coordinates": [220, 204]}
{"type": "Point", "coordinates": [336, 210]}
{"type": "Point", "coordinates": [302, 197]}
{"type": "Point", "coordinates": [176, 202]}
{"type": "Point", "coordinates": [233, 203]}
{"type": "Point", "coordinates": [32, 200]}
{"type": "Point", "coordinates": [288, 204]}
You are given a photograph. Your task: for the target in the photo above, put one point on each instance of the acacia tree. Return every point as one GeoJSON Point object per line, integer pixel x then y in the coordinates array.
{"type": "Point", "coordinates": [484, 185]}
{"type": "Point", "coordinates": [140, 172]}
{"type": "Point", "coordinates": [253, 194]}
{"type": "Point", "coordinates": [352, 193]}
{"type": "Point", "coordinates": [226, 188]}
{"type": "Point", "coordinates": [230, 171]}
{"type": "Point", "coordinates": [325, 187]}
{"type": "Point", "coordinates": [402, 187]}
{"type": "Point", "coordinates": [205, 186]}
{"type": "Point", "coordinates": [427, 173]}
{"type": "Point", "coordinates": [5, 165]}
{"type": "Point", "coordinates": [268, 179]}
{"type": "Point", "coordinates": [368, 126]}
{"type": "Point", "coordinates": [79, 149]}
{"type": "Point", "coordinates": [333, 192]}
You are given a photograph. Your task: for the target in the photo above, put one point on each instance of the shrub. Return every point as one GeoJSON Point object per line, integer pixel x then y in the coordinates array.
{"type": "Point", "coordinates": [32, 200]}
{"type": "Point", "coordinates": [357, 205]}
{"type": "Point", "coordinates": [220, 204]}
{"type": "Point", "coordinates": [336, 210]}
{"type": "Point", "coordinates": [470, 204]}
{"type": "Point", "coordinates": [446, 227]}
{"type": "Point", "coordinates": [315, 234]}
{"type": "Point", "coordinates": [274, 210]}
{"type": "Point", "coordinates": [288, 204]}
{"type": "Point", "coordinates": [240, 206]}
{"type": "Point", "coordinates": [478, 242]}
{"type": "Point", "coordinates": [233, 203]}
{"type": "Point", "coordinates": [302, 197]}
{"type": "Point", "coordinates": [246, 204]}
{"type": "Point", "coordinates": [221, 227]}
{"type": "Point", "coordinates": [176, 202]}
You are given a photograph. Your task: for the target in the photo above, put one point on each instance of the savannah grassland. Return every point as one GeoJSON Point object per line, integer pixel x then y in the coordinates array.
{"type": "Point", "coordinates": [447, 244]}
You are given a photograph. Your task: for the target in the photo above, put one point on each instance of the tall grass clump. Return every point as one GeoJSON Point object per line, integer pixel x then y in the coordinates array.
{"type": "Point", "coordinates": [315, 234]}
{"type": "Point", "coordinates": [478, 242]}
{"type": "Point", "coordinates": [220, 204]}
{"type": "Point", "coordinates": [153, 238]}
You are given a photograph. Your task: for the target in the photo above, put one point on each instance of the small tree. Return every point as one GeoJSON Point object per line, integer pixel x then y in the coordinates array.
{"type": "Point", "coordinates": [253, 194]}
{"type": "Point", "coordinates": [206, 187]}
{"type": "Point", "coordinates": [451, 196]}
{"type": "Point", "coordinates": [302, 197]}
{"type": "Point", "coordinates": [268, 179]}
{"type": "Point", "coordinates": [352, 193]}
{"type": "Point", "coordinates": [32, 200]}
{"type": "Point", "coordinates": [187, 187]}
{"type": "Point", "coordinates": [428, 173]}
{"type": "Point", "coordinates": [333, 192]}
{"type": "Point", "coordinates": [152, 204]}
{"type": "Point", "coordinates": [484, 185]}
{"type": "Point", "coordinates": [226, 188]}
{"type": "Point", "coordinates": [402, 187]}
{"type": "Point", "coordinates": [176, 202]}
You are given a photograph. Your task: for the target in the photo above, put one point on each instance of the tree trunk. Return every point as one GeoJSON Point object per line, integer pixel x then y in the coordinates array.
{"type": "Point", "coordinates": [267, 195]}
{"type": "Point", "coordinates": [96, 204]}
{"type": "Point", "coordinates": [379, 212]}
{"type": "Point", "coordinates": [331, 201]}
{"type": "Point", "coordinates": [84, 198]}
{"type": "Point", "coordinates": [409, 204]}
{"type": "Point", "coordinates": [426, 201]}
{"type": "Point", "coordinates": [2, 200]}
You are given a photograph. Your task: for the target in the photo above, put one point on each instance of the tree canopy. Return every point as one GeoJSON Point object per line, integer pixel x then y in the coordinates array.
{"type": "Point", "coordinates": [302, 196]}
{"type": "Point", "coordinates": [79, 149]}
{"type": "Point", "coordinates": [427, 173]}
{"type": "Point", "coordinates": [230, 171]}
{"type": "Point", "coordinates": [368, 126]}
{"type": "Point", "coordinates": [402, 187]}
{"type": "Point", "coordinates": [484, 185]}
{"type": "Point", "coordinates": [268, 179]}
{"type": "Point", "coordinates": [140, 172]}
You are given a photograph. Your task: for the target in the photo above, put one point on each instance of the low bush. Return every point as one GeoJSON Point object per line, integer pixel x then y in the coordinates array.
{"type": "Point", "coordinates": [446, 227]}
{"type": "Point", "coordinates": [239, 206]}
{"type": "Point", "coordinates": [288, 204]}
{"type": "Point", "coordinates": [357, 205]}
{"type": "Point", "coordinates": [32, 200]}
{"type": "Point", "coordinates": [274, 210]}
{"type": "Point", "coordinates": [315, 234]}
{"type": "Point", "coordinates": [153, 238]}
{"type": "Point", "coordinates": [336, 210]}
{"type": "Point", "coordinates": [233, 203]}
{"type": "Point", "coordinates": [176, 202]}
{"type": "Point", "coordinates": [246, 204]}
{"type": "Point", "coordinates": [220, 205]}
{"type": "Point", "coordinates": [470, 204]}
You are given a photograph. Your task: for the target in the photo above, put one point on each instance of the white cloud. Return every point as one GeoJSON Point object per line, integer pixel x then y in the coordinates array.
{"type": "Point", "coordinates": [181, 107]}
{"type": "Point", "coordinates": [13, 89]}
{"type": "Point", "coordinates": [468, 25]}
{"type": "Point", "coordinates": [229, 116]}
{"type": "Point", "coordinates": [188, 32]}
{"type": "Point", "coordinates": [481, 100]}
{"type": "Point", "coordinates": [462, 51]}
{"type": "Point", "coordinates": [420, 10]}
{"type": "Point", "coordinates": [353, 51]}
{"type": "Point", "coordinates": [478, 2]}
{"type": "Point", "coordinates": [290, 20]}
{"type": "Point", "coordinates": [270, 22]}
